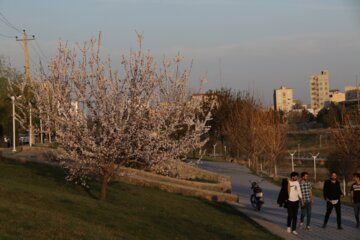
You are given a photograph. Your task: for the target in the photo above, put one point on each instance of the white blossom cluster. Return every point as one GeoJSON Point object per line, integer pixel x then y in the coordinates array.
{"type": "Point", "coordinates": [140, 116]}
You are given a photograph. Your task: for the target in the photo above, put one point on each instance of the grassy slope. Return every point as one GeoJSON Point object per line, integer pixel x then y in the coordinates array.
{"type": "Point", "coordinates": [37, 203]}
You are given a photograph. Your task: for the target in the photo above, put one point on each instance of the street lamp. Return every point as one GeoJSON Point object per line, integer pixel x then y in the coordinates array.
{"type": "Point", "coordinates": [214, 150]}
{"type": "Point", "coordinates": [292, 160]}
{"type": "Point", "coordinates": [41, 129]}
{"type": "Point", "coordinates": [30, 126]}
{"type": "Point", "coordinates": [314, 157]}
{"type": "Point", "coordinates": [13, 99]}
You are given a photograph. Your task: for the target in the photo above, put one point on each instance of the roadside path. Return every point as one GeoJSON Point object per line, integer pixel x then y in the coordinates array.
{"type": "Point", "coordinates": [273, 217]}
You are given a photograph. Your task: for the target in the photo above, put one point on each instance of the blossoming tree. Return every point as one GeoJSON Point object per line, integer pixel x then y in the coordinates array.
{"type": "Point", "coordinates": [140, 116]}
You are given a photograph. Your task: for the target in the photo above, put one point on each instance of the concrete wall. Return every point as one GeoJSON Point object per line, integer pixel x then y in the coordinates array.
{"type": "Point", "coordinates": [210, 191]}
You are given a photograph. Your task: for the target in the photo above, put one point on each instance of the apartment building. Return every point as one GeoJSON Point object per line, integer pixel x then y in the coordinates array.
{"type": "Point", "coordinates": [319, 90]}
{"type": "Point", "coordinates": [352, 93]}
{"type": "Point", "coordinates": [283, 99]}
{"type": "Point", "coordinates": [205, 97]}
{"type": "Point", "coordinates": [336, 96]}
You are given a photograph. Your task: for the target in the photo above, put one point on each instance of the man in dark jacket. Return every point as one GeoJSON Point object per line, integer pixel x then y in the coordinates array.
{"type": "Point", "coordinates": [332, 194]}
{"type": "Point", "coordinates": [355, 197]}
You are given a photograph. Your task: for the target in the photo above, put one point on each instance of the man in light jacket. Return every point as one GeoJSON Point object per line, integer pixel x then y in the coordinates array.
{"type": "Point", "coordinates": [294, 200]}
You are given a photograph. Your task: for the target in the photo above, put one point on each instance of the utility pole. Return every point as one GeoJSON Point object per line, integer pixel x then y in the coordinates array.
{"type": "Point", "coordinates": [28, 81]}
{"type": "Point", "coordinates": [26, 54]}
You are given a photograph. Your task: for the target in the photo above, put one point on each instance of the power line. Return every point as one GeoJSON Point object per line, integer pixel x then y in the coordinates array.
{"type": "Point", "coordinates": [8, 23]}
{"type": "Point", "coordinates": [41, 51]}
{"type": "Point", "coordinates": [35, 50]}
{"type": "Point", "coordinates": [6, 36]}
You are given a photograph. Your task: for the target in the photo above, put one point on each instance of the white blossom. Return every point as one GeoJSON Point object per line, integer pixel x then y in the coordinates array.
{"type": "Point", "coordinates": [140, 117]}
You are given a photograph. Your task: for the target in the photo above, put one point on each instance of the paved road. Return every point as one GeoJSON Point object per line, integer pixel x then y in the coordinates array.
{"type": "Point", "coordinates": [273, 217]}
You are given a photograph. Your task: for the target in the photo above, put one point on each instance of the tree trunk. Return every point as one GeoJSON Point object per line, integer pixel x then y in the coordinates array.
{"type": "Point", "coordinates": [104, 186]}
{"type": "Point", "coordinates": [257, 165]}
{"type": "Point", "coordinates": [344, 185]}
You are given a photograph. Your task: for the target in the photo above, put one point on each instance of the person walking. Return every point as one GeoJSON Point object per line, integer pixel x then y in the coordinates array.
{"type": "Point", "coordinates": [294, 198]}
{"type": "Point", "coordinates": [284, 193]}
{"type": "Point", "coordinates": [7, 141]}
{"type": "Point", "coordinates": [332, 194]}
{"type": "Point", "coordinates": [306, 192]}
{"type": "Point", "coordinates": [355, 196]}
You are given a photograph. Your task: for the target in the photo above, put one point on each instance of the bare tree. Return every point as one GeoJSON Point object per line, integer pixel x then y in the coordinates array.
{"type": "Point", "coordinates": [104, 119]}
{"type": "Point", "coordinates": [344, 155]}
{"type": "Point", "coordinates": [257, 133]}
{"type": "Point", "coordinates": [242, 127]}
{"type": "Point", "coordinates": [274, 138]}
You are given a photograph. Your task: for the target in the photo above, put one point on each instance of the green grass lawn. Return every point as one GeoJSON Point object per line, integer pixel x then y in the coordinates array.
{"type": "Point", "coordinates": [37, 203]}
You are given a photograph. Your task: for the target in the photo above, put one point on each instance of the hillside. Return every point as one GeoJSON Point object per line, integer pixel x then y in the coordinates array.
{"type": "Point", "coordinates": [37, 203]}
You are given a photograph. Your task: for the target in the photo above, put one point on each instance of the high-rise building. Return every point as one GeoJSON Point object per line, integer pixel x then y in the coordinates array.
{"type": "Point", "coordinates": [319, 90]}
{"type": "Point", "coordinates": [283, 99]}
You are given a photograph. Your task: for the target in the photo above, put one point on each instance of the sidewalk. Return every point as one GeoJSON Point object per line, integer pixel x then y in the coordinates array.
{"type": "Point", "coordinates": [273, 217]}
{"type": "Point", "coordinates": [263, 221]}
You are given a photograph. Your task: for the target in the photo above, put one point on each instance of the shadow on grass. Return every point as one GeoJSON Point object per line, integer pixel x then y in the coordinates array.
{"type": "Point", "coordinates": [55, 173]}
{"type": "Point", "coordinates": [231, 210]}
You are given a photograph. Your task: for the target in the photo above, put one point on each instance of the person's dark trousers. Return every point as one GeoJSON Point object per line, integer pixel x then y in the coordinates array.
{"type": "Point", "coordinates": [293, 208]}
{"type": "Point", "coordinates": [306, 211]}
{"type": "Point", "coordinates": [329, 207]}
{"type": "Point", "coordinates": [357, 211]}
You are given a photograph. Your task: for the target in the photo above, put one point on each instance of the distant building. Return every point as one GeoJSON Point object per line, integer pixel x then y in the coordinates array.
{"type": "Point", "coordinates": [205, 97]}
{"type": "Point", "coordinates": [283, 99]}
{"type": "Point", "coordinates": [74, 107]}
{"type": "Point", "coordinates": [336, 96]}
{"type": "Point", "coordinates": [319, 90]}
{"type": "Point", "coordinates": [352, 93]}
{"type": "Point", "coordinates": [298, 106]}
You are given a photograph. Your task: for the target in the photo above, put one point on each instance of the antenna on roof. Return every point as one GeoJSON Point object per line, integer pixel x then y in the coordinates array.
{"type": "Point", "coordinates": [220, 73]}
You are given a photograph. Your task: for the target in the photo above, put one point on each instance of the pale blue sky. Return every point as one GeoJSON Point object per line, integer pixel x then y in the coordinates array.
{"type": "Point", "coordinates": [262, 44]}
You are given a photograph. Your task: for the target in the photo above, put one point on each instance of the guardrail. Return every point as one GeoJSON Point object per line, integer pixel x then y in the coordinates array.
{"type": "Point", "coordinates": [306, 158]}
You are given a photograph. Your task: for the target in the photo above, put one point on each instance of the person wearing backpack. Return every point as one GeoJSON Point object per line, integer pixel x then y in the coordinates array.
{"type": "Point", "coordinates": [283, 194]}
